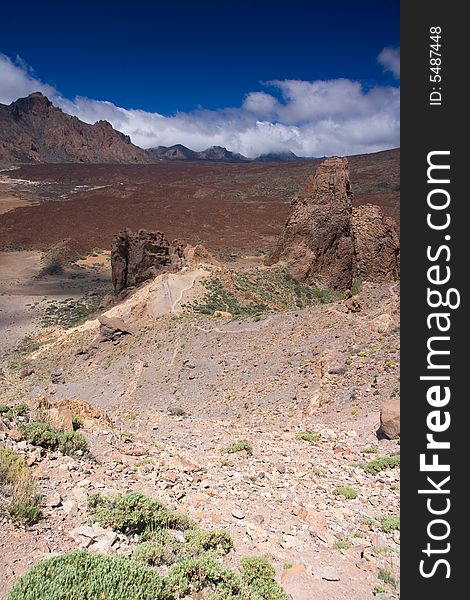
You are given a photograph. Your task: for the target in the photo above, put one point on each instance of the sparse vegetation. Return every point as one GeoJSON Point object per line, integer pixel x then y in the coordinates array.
{"type": "Point", "coordinates": [385, 576]}
{"type": "Point", "coordinates": [248, 294]}
{"type": "Point", "coordinates": [239, 446]}
{"type": "Point", "coordinates": [19, 496]}
{"type": "Point", "coordinates": [390, 524]}
{"type": "Point", "coordinates": [370, 450]}
{"type": "Point", "coordinates": [308, 436]}
{"type": "Point", "coordinates": [348, 492]}
{"type": "Point", "coordinates": [11, 412]}
{"type": "Point", "coordinates": [342, 544]}
{"type": "Point", "coordinates": [381, 463]}
{"type": "Point", "coordinates": [356, 286]}
{"type": "Point", "coordinates": [71, 311]}
{"type": "Point", "coordinates": [368, 521]}
{"type": "Point", "coordinates": [77, 423]}
{"type": "Point", "coordinates": [42, 434]}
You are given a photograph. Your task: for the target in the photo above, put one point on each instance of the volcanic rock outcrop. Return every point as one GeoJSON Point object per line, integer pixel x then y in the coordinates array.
{"type": "Point", "coordinates": [326, 242]}
{"type": "Point", "coordinates": [376, 243]}
{"type": "Point", "coordinates": [138, 257]}
{"type": "Point", "coordinates": [317, 244]}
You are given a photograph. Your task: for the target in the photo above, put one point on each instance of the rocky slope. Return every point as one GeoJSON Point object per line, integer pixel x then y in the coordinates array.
{"type": "Point", "coordinates": [303, 387]}
{"type": "Point", "coordinates": [32, 129]}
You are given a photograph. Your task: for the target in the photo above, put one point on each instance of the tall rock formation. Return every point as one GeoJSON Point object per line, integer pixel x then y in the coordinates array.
{"type": "Point", "coordinates": [317, 244]}
{"type": "Point", "coordinates": [326, 242]}
{"type": "Point", "coordinates": [138, 257]}
{"type": "Point", "coordinates": [376, 243]}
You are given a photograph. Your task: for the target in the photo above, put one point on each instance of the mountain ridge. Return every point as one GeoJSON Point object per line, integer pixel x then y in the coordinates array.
{"type": "Point", "coordinates": [34, 130]}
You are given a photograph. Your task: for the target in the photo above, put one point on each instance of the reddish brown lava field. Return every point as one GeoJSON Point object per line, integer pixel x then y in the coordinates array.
{"type": "Point", "coordinates": [227, 207]}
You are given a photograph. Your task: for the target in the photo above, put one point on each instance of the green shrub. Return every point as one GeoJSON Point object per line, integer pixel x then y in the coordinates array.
{"type": "Point", "coordinates": [217, 540]}
{"type": "Point", "coordinates": [164, 550]}
{"type": "Point", "coordinates": [308, 436]}
{"type": "Point", "coordinates": [258, 580]}
{"type": "Point", "coordinates": [77, 423]}
{"type": "Point", "coordinates": [239, 446]}
{"type": "Point", "coordinates": [18, 488]}
{"type": "Point", "coordinates": [348, 492]}
{"type": "Point", "coordinates": [342, 544]}
{"type": "Point", "coordinates": [136, 513]}
{"type": "Point", "coordinates": [17, 410]}
{"type": "Point", "coordinates": [80, 575]}
{"type": "Point", "coordinates": [42, 434]}
{"type": "Point", "coordinates": [390, 524]}
{"type": "Point", "coordinates": [195, 574]}
{"type": "Point", "coordinates": [387, 577]}
{"type": "Point", "coordinates": [256, 567]}
{"type": "Point", "coordinates": [356, 286]}
{"type": "Point", "coordinates": [381, 463]}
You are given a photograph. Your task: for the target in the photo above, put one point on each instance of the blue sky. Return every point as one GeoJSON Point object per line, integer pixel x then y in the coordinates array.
{"type": "Point", "coordinates": [202, 60]}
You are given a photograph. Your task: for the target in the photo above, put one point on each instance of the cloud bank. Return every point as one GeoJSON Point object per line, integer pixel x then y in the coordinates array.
{"type": "Point", "coordinates": [309, 118]}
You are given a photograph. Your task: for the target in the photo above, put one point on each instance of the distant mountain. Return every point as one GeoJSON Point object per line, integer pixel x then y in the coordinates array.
{"type": "Point", "coordinates": [222, 154]}
{"type": "Point", "coordinates": [176, 152]}
{"type": "Point", "coordinates": [32, 129]}
{"type": "Point", "coordinates": [180, 152]}
{"type": "Point", "coordinates": [286, 156]}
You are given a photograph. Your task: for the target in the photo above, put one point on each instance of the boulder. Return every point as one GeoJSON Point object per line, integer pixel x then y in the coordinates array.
{"type": "Point", "coordinates": [112, 328]}
{"type": "Point", "coordinates": [390, 419]}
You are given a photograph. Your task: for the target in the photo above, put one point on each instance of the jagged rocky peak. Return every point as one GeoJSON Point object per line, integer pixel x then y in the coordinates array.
{"type": "Point", "coordinates": [317, 243]}
{"type": "Point", "coordinates": [326, 242]}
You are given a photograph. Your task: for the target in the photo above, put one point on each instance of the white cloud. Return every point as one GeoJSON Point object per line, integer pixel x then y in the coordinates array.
{"type": "Point", "coordinates": [17, 80]}
{"type": "Point", "coordinates": [389, 58]}
{"type": "Point", "coordinates": [310, 118]}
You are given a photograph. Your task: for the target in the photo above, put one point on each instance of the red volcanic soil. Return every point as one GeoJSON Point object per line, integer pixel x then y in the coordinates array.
{"type": "Point", "coordinates": [227, 207]}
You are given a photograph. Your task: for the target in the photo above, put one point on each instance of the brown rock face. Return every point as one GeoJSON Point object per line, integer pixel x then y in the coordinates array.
{"type": "Point", "coordinates": [138, 257]}
{"type": "Point", "coordinates": [317, 244]}
{"type": "Point", "coordinates": [390, 419]}
{"type": "Point", "coordinates": [377, 244]}
{"type": "Point", "coordinates": [32, 129]}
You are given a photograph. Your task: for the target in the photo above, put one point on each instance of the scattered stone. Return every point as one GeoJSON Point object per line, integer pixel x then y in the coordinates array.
{"type": "Point", "coordinates": [238, 514]}
{"type": "Point", "coordinates": [326, 573]}
{"type": "Point", "coordinates": [52, 500]}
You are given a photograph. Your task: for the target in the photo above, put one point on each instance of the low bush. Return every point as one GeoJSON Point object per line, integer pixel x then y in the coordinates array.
{"type": "Point", "coordinates": [308, 436]}
{"type": "Point", "coordinates": [17, 410]}
{"type": "Point", "coordinates": [217, 540]}
{"type": "Point", "coordinates": [42, 434]}
{"type": "Point", "coordinates": [381, 463]}
{"type": "Point", "coordinates": [195, 574]}
{"type": "Point", "coordinates": [164, 550]}
{"type": "Point", "coordinates": [81, 575]}
{"type": "Point", "coordinates": [136, 513]}
{"type": "Point", "coordinates": [348, 492]}
{"type": "Point", "coordinates": [390, 524]}
{"type": "Point", "coordinates": [239, 446]}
